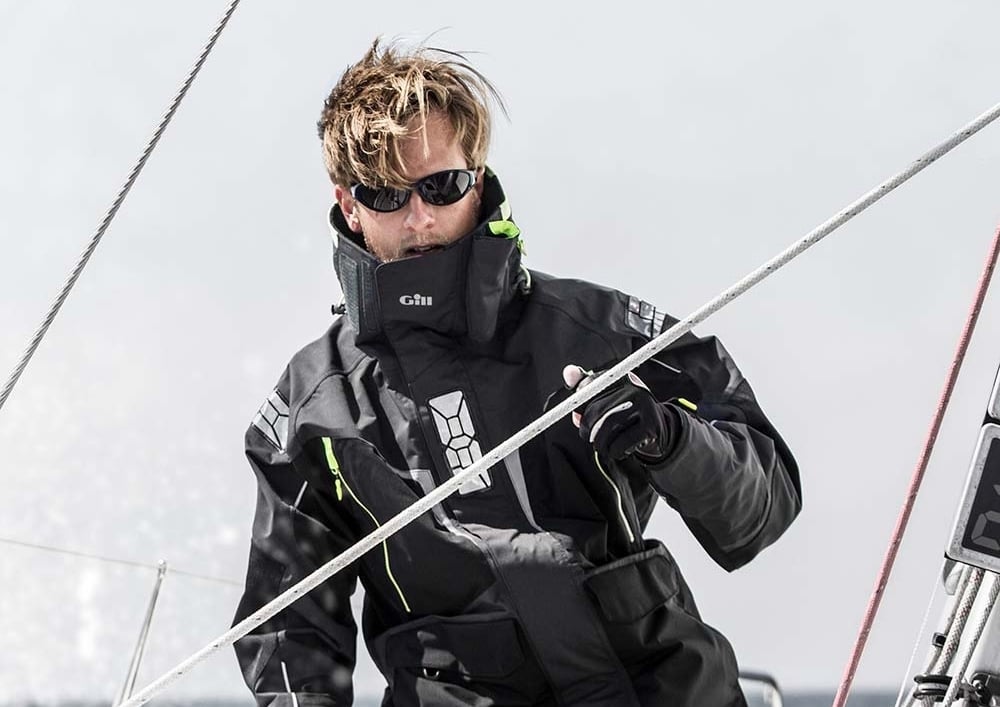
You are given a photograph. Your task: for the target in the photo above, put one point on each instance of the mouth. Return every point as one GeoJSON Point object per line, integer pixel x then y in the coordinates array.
{"type": "Point", "coordinates": [416, 251]}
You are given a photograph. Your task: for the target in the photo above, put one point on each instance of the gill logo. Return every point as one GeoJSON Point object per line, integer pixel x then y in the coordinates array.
{"type": "Point", "coordinates": [417, 300]}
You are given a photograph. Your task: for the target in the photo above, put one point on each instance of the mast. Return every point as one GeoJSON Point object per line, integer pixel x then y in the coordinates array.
{"type": "Point", "coordinates": [963, 663]}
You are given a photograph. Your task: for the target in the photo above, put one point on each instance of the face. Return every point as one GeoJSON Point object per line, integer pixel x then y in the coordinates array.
{"type": "Point", "coordinates": [417, 228]}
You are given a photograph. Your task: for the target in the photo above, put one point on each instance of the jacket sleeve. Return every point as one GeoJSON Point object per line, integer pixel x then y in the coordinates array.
{"type": "Point", "coordinates": [728, 472]}
{"type": "Point", "coordinates": [305, 655]}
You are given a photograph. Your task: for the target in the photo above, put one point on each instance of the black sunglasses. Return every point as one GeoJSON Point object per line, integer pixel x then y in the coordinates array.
{"type": "Point", "coordinates": [438, 189]}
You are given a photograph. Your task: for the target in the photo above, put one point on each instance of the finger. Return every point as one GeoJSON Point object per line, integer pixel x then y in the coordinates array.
{"type": "Point", "coordinates": [573, 375]}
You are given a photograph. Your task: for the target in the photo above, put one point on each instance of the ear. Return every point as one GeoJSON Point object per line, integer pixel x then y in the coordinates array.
{"type": "Point", "coordinates": [349, 207]}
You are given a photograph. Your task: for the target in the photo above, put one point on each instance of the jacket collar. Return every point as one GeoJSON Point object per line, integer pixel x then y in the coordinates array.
{"type": "Point", "coordinates": [460, 290]}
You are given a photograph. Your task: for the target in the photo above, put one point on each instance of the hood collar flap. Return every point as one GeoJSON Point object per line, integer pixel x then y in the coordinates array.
{"type": "Point", "coordinates": [460, 290]}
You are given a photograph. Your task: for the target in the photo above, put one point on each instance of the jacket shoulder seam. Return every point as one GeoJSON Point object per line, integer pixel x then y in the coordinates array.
{"type": "Point", "coordinates": [552, 303]}
{"type": "Point", "coordinates": [306, 399]}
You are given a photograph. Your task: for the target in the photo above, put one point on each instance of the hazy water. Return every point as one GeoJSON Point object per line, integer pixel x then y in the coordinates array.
{"type": "Point", "coordinates": [810, 699]}
{"type": "Point", "coordinates": [825, 699]}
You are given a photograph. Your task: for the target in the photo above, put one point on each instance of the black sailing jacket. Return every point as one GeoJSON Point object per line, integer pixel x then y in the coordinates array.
{"type": "Point", "coordinates": [533, 585]}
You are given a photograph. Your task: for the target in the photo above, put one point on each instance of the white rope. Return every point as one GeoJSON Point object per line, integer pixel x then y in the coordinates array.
{"type": "Point", "coordinates": [560, 411]}
{"type": "Point", "coordinates": [957, 675]}
{"type": "Point", "coordinates": [115, 205]}
{"type": "Point", "coordinates": [957, 625]}
{"type": "Point", "coordinates": [958, 611]}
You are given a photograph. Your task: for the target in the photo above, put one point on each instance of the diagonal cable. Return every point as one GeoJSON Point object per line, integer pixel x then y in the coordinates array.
{"type": "Point", "coordinates": [882, 580]}
{"type": "Point", "coordinates": [559, 411]}
{"type": "Point", "coordinates": [109, 216]}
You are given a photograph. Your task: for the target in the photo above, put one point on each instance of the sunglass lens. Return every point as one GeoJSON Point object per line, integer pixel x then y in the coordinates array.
{"type": "Point", "coordinates": [384, 199]}
{"type": "Point", "coordinates": [446, 187]}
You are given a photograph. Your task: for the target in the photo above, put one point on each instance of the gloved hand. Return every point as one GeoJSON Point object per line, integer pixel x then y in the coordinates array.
{"type": "Point", "coordinates": [623, 420]}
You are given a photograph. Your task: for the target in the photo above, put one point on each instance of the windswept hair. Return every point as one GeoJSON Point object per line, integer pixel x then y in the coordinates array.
{"type": "Point", "coordinates": [373, 106]}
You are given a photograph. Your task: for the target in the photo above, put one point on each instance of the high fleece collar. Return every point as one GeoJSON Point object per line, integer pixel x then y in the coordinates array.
{"type": "Point", "coordinates": [460, 290]}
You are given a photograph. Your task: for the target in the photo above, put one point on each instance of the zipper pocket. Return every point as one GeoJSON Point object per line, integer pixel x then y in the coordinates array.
{"type": "Point", "coordinates": [618, 499]}
{"type": "Point", "coordinates": [340, 485]}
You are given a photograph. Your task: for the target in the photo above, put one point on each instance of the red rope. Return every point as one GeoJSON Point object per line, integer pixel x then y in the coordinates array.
{"type": "Point", "coordinates": [918, 475]}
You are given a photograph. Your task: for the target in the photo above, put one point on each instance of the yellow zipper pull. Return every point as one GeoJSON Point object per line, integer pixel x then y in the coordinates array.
{"type": "Point", "coordinates": [331, 461]}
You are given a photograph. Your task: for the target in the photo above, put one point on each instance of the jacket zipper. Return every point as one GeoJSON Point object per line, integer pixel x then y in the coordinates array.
{"type": "Point", "coordinates": [618, 499]}
{"type": "Point", "coordinates": [340, 484]}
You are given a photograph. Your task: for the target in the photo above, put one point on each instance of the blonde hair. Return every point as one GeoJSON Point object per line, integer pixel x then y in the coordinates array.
{"type": "Point", "coordinates": [373, 107]}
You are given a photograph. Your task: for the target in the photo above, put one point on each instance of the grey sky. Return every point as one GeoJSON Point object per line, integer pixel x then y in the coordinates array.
{"type": "Point", "coordinates": [662, 151]}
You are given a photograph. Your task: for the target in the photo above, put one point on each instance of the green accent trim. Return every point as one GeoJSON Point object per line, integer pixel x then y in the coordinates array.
{"type": "Point", "coordinates": [618, 497]}
{"type": "Point", "coordinates": [331, 461]}
{"type": "Point", "coordinates": [505, 210]}
{"type": "Point", "coordinates": [505, 228]}
{"type": "Point", "coordinates": [688, 404]}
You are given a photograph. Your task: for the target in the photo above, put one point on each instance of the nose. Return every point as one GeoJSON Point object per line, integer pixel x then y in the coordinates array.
{"type": "Point", "coordinates": [419, 216]}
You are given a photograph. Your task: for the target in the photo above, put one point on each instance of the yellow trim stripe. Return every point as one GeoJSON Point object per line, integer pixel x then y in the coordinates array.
{"type": "Point", "coordinates": [688, 404]}
{"type": "Point", "coordinates": [331, 460]}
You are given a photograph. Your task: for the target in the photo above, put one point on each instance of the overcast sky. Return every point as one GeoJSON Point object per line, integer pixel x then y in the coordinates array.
{"type": "Point", "coordinates": [665, 152]}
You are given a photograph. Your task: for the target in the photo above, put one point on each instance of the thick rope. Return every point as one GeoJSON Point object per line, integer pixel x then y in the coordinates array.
{"type": "Point", "coordinates": [953, 603]}
{"type": "Point", "coordinates": [965, 577]}
{"type": "Point", "coordinates": [959, 615]}
{"type": "Point", "coordinates": [956, 627]}
{"type": "Point", "coordinates": [560, 411]}
{"type": "Point", "coordinates": [117, 561]}
{"type": "Point", "coordinates": [918, 475]}
{"type": "Point", "coordinates": [977, 633]}
{"type": "Point", "coordinates": [109, 216]}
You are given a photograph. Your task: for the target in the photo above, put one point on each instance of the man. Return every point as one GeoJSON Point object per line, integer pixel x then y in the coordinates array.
{"type": "Point", "coordinates": [533, 585]}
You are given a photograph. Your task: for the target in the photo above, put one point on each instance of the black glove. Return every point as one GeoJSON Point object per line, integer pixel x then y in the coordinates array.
{"type": "Point", "coordinates": [623, 420]}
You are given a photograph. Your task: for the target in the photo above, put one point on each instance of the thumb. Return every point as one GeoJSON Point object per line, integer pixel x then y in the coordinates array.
{"type": "Point", "coordinates": [573, 374]}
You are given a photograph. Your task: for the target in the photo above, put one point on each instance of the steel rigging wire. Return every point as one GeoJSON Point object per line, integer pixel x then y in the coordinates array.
{"type": "Point", "coordinates": [556, 413]}
{"type": "Point", "coordinates": [115, 205]}
{"type": "Point", "coordinates": [117, 561]}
